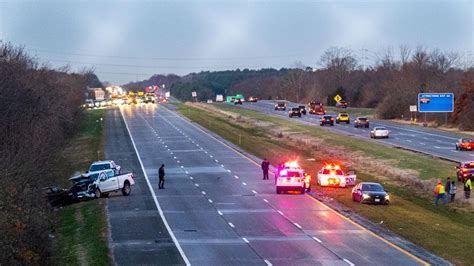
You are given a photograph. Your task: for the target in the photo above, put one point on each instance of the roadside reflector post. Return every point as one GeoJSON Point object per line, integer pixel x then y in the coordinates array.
{"type": "Point", "coordinates": [240, 139]}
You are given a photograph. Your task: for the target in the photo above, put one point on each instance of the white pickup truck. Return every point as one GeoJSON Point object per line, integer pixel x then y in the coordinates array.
{"type": "Point", "coordinates": [105, 165]}
{"type": "Point", "coordinates": [95, 184]}
{"type": "Point", "coordinates": [332, 175]}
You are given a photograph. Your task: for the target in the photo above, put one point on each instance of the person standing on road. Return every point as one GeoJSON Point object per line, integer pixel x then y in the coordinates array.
{"type": "Point", "coordinates": [161, 175]}
{"type": "Point", "coordinates": [439, 192]}
{"type": "Point", "coordinates": [447, 188]}
{"type": "Point", "coordinates": [452, 191]}
{"type": "Point", "coordinates": [265, 167]}
{"type": "Point", "coordinates": [467, 188]}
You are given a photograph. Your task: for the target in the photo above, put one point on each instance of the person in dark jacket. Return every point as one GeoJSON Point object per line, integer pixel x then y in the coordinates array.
{"type": "Point", "coordinates": [447, 188]}
{"type": "Point", "coordinates": [161, 174]}
{"type": "Point", "coordinates": [265, 167]}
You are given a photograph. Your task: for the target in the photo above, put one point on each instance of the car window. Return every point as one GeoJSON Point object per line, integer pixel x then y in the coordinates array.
{"type": "Point", "coordinates": [467, 140]}
{"type": "Point", "coordinates": [110, 173]}
{"type": "Point", "coordinates": [372, 187]}
{"type": "Point", "coordinates": [363, 119]}
{"type": "Point", "coordinates": [295, 109]}
{"type": "Point", "coordinates": [98, 167]}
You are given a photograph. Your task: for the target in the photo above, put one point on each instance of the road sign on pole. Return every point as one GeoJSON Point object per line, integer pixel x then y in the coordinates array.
{"type": "Point", "coordinates": [413, 108]}
{"type": "Point", "coordinates": [435, 102]}
{"type": "Point", "coordinates": [337, 98]}
{"type": "Point", "coordinates": [194, 94]}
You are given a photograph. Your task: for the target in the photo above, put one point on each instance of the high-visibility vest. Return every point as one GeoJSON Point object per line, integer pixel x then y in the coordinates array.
{"type": "Point", "coordinates": [439, 189]}
{"type": "Point", "coordinates": [469, 184]}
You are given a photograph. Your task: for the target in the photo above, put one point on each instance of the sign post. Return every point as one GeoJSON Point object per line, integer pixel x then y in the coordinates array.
{"type": "Point", "coordinates": [436, 103]}
{"type": "Point", "coordinates": [413, 110]}
{"type": "Point", "coordinates": [194, 95]}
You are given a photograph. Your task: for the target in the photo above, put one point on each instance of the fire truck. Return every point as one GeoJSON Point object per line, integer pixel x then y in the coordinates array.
{"type": "Point", "coordinates": [316, 108]}
{"type": "Point", "coordinates": [332, 175]}
{"type": "Point", "coordinates": [290, 176]}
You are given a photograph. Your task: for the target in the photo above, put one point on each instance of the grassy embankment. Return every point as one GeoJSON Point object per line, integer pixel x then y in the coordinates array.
{"type": "Point", "coordinates": [411, 215]}
{"type": "Point", "coordinates": [82, 227]}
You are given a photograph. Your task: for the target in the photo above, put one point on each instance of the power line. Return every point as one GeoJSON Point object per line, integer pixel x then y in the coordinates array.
{"type": "Point", "coordinates": [171, 58]}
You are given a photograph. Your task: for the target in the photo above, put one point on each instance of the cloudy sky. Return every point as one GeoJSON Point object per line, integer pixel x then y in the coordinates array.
{"type": "Point", "coordinates": [131, 40]}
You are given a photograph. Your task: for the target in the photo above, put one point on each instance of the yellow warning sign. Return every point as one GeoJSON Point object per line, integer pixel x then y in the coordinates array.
{"type": "Point", "coordinates": [337, 98]}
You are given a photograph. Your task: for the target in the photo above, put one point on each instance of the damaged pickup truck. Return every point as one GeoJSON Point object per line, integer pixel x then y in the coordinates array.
{"type": "Point", "coordinates": [92, 185]}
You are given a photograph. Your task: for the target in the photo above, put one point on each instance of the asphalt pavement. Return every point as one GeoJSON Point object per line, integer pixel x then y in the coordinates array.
{"type": "Point", "coordinates": [137, 233]}
{"type": "Point", "coordinates": [219, 211]}
{"type": "Point", "coordinates": [424, 140]}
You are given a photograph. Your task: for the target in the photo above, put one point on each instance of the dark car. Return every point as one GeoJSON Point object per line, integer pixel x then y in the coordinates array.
{"type": "Point", "coordinates": [295, 111]}
{"type": "Point", "coordinates": [465, 170]}
{"type": "Point", "coordinates": [326, 120]}
{"type": "Point", "coordinates": [302, 109]}
{"type": "Point", "coordinates": [280, 106]}
{"type": "Point", "coordinates": [367, 192]}
{"type": "Point", "coordinates": [361, 122]}
{"type": "Point", "coordinates": [465, 144]}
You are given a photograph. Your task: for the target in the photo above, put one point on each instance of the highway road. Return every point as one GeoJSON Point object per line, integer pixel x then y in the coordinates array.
{"type": "Point", "coordinates": [219, 211]}
{"type": "Point", "coordinates": [425, 140]}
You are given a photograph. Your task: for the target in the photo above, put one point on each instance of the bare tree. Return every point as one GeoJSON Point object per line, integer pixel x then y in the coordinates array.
{"type": "Point", "coordinates": [405, 53]}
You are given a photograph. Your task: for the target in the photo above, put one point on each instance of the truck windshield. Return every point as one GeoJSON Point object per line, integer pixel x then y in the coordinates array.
{"type": "Point", "coordinates": [98, 167]}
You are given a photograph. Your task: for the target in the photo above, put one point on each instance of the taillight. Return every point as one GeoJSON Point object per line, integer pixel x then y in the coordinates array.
{"type": "Point", "coordinates": [332, 119]}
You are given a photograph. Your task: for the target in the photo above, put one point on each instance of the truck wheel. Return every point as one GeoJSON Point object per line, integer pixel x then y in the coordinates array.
{"type": "Point", "coordinates": [278, 190]}
{"type": "Point", "coordinates": [97, 193]}
{"type": "Point", "coordinates": [126, 189]}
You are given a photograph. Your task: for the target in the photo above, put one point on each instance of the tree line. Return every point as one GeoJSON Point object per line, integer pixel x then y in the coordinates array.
{"type": "Point", "coordinates": [390, 85]}
{"type": "Point", "coordinates": [39, 111]}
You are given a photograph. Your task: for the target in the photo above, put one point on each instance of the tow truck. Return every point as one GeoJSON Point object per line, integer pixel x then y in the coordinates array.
{"type": "Point", "coordinates": [290, 176]}
{"type": "Point", "coordinates": [332, 175]}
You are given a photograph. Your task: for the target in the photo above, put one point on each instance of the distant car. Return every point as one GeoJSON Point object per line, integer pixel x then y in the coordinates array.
{"type": "Point", "coordinates": [343, 117]}
{"type": "Point", "coordinates": [465, 170]}
{"type": "Point", "coordinates": [209, 101]}
{"type": "Point", "coordinates": [342, 104]}
{"type": "Point", "coordinates": [149, 98]}
{"type": "Point", "coordinates": [253, 99]}
{"type": "Point", "coordinates": [296, 111]}
{"type": "Point", "coordinates": [379, 132]}
{"type": "Point", "coordinates": [280, 106]}
{"type": "Point", "coordinates": [361, 122]}
{"type": "Point", "coordinates": [238, 101]}
{"type": "Point", "coordinates": [89, 103]}
{"type": "Point", "coordinates": [326, 120]}
{"type": "Point", "coordinates": [465, 144]}
{"type": "Point", "coordinates": [302, 109]}
{"type": "Point", "coordinates": [367, 192]}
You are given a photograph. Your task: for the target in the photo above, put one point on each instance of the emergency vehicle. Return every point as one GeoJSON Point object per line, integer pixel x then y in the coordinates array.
{"type": "Point", "coordinates": [331, 174]}
{"type": "Point", "coordinates": [290, 176]}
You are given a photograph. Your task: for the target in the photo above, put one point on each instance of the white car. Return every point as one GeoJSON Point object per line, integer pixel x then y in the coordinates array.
{"type": "Point", "coordinates": [105, 165]}
{"type": "Point", "coordinates": [379, 132]}
{"type": "Point", "coordinates": [332, 175]}
{"type": "Point", "coordinates": [290, 177]}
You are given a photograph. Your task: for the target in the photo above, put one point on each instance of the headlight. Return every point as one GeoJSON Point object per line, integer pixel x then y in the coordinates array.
{"type": "Point", "coordinates": [387, 197]}
{"type": "Point", "coordinates": [365, 196]}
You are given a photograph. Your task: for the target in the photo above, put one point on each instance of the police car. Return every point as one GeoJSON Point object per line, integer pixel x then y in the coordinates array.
{"type": "Point", "coordinates": [331, 174]}
{"type": "Point", "coordinates": [290, 176]}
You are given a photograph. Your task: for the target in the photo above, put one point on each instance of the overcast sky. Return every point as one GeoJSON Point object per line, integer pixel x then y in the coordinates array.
{"type": "Point", "coordinates": [130, 40]}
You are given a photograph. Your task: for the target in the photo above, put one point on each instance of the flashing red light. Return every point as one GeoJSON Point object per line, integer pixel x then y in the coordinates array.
{"type": "Point", "coordinates": [464, 170]}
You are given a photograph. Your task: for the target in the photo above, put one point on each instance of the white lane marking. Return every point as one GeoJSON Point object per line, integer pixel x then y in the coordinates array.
{"type": "Point", "coordinates": [245, 240]}
{"type": "Point", "coordinates": [222, 165]}
{"type": "Point", "coordinates": [265, 200]}
{"type": "Point", "coordinates": [191, 177]}
{"type": "Point", "coordinates": [472, 155]}
{"type": "Point", "coordinates": [210, 201]}
{"type": "Point", "coordinates": [243, 183]}
{"type": "Point", "coordinates": [186, 172]}
{"type": "Point", "coordinates": [160, 211]}
{"type": "Point", "coordinates": [409, 140]}
{"type": "Point", "coordinates": [280, 212]}
{"type": "Point", "coordinates": [170, 152]}
{"type": "Point", "coordinates": [178, 161]}
{"type": "Point", "coordinates": [349, 262]}
{"type": "Point", "coordinates": [229, 170]}
{"type": "Point", "coordinates": [231, 225]}
{"type": "Point", "coordinates": [203, 192]}
{"type": "Point", "coordinates": [317, 239]}
{"type": "Point", "coordinates": [254, 192]}
{"type": "Point", "coordinates": [205, 152]}
{"type": "Point", "coordinates": [268, 262]}
{"type": "Point", "coordinates": [216, 160]}
{"type": "Point", "coordinates": [422, 143]}
{"type": "Point", "coordinates": [174, 157]}
{"type": "Point", "coordinates": [197, 185]}
{"type": "Point", "coordinates": [166, 146]}
{"type": "Point", "coordinates": [437, 147]}
{"type": "Point", "coordinates": [220, 213]}
{"type": "Point", "coordinates": [297, 225]}
{"type": "Point", "coordinates": [458, 151]}
{"type": "Point", "coordinates": [236, 177]}
{"type": "Point", "coordinates": [211, 156]}
{"type": "Point", "coordinates": [182, 166]}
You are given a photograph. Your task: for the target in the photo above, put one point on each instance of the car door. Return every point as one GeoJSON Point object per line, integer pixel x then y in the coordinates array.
{"type": "Point", "coordinates": [108, 181]}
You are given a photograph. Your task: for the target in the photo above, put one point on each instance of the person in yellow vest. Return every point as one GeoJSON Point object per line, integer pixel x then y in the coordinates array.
{"type": "Point", "coordinates": [439, 192]}
{"type": "Point", "coordinates": [467, 188]}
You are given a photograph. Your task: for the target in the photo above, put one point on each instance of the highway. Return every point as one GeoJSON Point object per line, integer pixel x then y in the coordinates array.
{"type": "Point", "coordinates": [425, 140]}
{"type": "Point", "coordinates": [219, 211]}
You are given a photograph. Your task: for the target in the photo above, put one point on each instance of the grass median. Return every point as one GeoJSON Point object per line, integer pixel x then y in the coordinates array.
{"type": "Point", "coordinates": [82, 227]}
{"type": "Point", "coordinates": [443, 230]}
